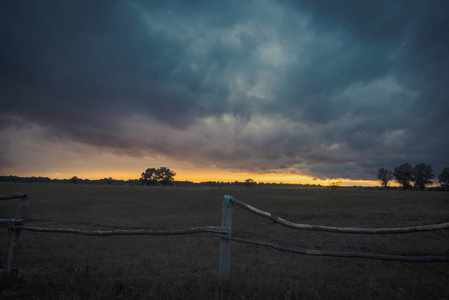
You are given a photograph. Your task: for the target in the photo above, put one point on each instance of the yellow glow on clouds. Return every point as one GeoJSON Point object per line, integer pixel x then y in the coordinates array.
{"type": "Point", "coordinates": [29, 154]}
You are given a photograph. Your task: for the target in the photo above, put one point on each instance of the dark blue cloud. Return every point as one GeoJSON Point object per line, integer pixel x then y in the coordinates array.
{"type": "Point", "coordinates": [316, 87]}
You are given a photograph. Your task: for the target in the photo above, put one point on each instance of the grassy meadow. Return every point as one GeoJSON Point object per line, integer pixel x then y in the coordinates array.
{"type": "Point", "coordinates": [67, 266]}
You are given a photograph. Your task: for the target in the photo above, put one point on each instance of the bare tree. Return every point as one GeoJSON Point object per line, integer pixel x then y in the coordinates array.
{"type": "Point", "coordinates": [384, 176]}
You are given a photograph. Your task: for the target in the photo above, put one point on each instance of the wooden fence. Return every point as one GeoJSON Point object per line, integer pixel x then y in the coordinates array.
{"type": "Point", "coordinates": [11, 270]}
{"type": "Point", "coordinates": [16, 225]}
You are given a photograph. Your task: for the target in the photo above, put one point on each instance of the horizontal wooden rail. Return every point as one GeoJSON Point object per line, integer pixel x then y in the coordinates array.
{"type": "Point", "coordinates": [354, 230]}
{"type": "Point", "coordinates": [11, 223]}
{"type": "Point", "coordinates": [408, 258]}
{"type": "Point", "coordinates": [210, 229]}
{"type": "Point", "coordinates": [12, 196]}
{"type": "Point", "coordinates": [16, 225]}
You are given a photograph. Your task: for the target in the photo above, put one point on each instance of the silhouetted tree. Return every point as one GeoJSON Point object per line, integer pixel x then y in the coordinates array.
{"type": "Point", "coordinates": [153, 176]}
{"type": "Point", "coordinates": [74, 180]}
{"type": "Point", "coordinates": [108, 180]}
{"type": "Point", "coordinates": [165, 176]}
{"type": "Point", "coordinates": [443, 178]}
{"type": "Point", "coordinates": [404, 174]}
{"type": "Point", "coordinates": [384, 176]}
{"type": "Point", "coordinates": [334, 184]}
{"type": "Point", "coordinates": [422, 175]}
{"type": "Point", "coordinates": [149, 177]}
{"type": "Point", "coordinates": [249, 182]}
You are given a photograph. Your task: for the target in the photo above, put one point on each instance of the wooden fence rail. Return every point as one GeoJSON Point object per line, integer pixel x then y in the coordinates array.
{"type": "Point", "coordinates": [409, 258]}
{"type": "Point", "coordinates": [16, 225]}
{"type": "Point", "coordinates": [288, 224]}
{"type": "Point", "coordinates": [209, 229]}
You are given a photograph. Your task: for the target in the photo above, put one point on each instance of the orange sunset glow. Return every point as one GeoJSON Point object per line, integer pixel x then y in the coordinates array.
{"type": "Point", "coordinates": [280, 92]}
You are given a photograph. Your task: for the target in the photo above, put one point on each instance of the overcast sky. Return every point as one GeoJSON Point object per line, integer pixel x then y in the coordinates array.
{"type": "Point", "coordinates": [326, 89]}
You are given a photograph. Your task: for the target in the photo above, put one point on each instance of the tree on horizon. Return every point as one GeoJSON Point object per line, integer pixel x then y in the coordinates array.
{"type": "Point", "coordinates": [153, 176]}
{"type": "Point", "coordinates": [384, 176]}
{"type": "Point", "coordinates": [443, 178]}
{"type": "Point", "coordinates": [249, 182]}
{"type": "Point", "coordinates": [404, 174]}
{"type": "Point", "coordinates": [166, 176]}
{"type": "Point", "coordinates": [422, 175]}
{"type": "Point", "coordinates": [74, 180]}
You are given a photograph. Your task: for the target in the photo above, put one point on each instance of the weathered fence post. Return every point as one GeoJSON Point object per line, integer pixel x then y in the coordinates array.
{"type": "Point", "coordinates": [11, 271]}
{"type": "Point", "coordinates": [224, 269]}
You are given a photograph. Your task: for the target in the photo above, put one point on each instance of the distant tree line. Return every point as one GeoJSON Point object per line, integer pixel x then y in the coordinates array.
{"type": "Point", "coordinates": [420, 175]}
{"type": "Point", "coordinates": [111, 181]}
{"type": "Point", "coordinates": [72, 180]}
{"type": "Point", "coordinates": [32, 179]}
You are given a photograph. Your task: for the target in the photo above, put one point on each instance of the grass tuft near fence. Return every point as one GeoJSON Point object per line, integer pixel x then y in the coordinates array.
{"type": "Point", "coordinates": [65, 266]}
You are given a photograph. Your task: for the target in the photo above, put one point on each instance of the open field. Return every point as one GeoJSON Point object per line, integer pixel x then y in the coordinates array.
{"type": "Point", "coordinates": [65, 266]}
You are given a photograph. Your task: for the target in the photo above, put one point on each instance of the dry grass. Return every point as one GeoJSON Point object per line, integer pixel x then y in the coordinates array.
{"type": "Point", "coordinates": [64, 266]}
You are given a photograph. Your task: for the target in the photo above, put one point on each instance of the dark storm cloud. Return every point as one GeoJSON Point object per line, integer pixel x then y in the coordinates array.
{"type": "Point", "coordinates": [327, 89]}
